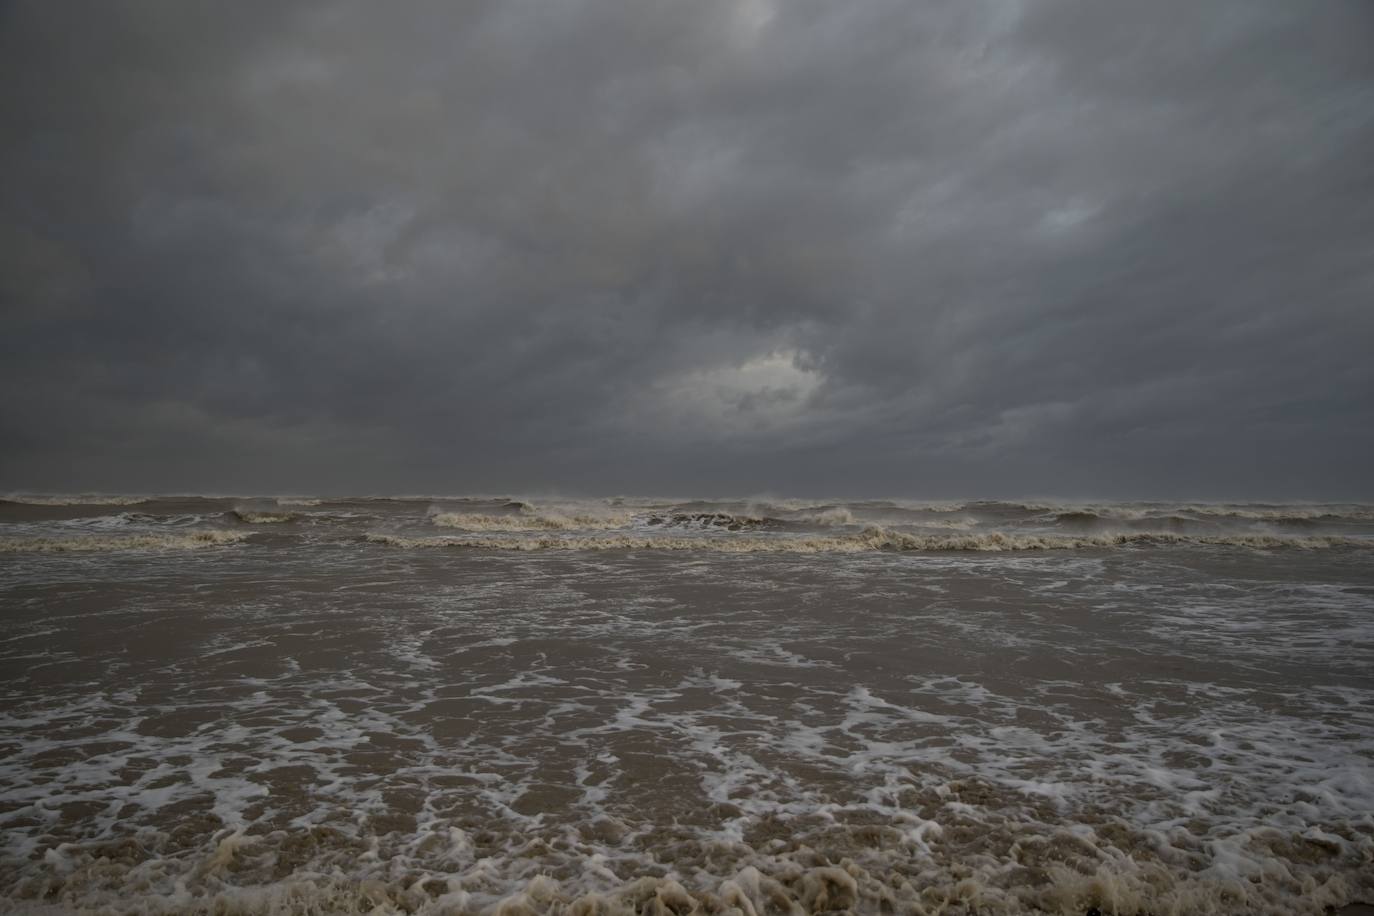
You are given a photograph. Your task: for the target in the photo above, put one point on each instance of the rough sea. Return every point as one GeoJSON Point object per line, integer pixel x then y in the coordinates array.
{"type": "Point", "coordinates": [525, 706]}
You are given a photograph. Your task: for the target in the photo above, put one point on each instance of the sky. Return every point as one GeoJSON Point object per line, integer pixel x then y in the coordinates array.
{"type": "Point", "coordinates": [803, 247]}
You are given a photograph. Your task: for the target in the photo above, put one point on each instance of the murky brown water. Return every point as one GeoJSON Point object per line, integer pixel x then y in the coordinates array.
{"type": "Point", "coordinates": [324, 714]}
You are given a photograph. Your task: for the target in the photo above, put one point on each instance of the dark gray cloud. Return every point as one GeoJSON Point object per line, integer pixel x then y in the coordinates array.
{"type": "Point", "coordinates": [933, 248]}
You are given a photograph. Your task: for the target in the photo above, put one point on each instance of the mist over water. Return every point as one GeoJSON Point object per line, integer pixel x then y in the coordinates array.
{"type": "Point", "coordinates": [506, 705]}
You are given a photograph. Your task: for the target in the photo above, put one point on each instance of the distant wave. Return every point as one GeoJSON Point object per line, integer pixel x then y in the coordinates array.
{"type": "Point", "coordinates": [1194, 513]}
{"type": "Point", "coordinates": [79, 499]}
{"type": "Point", "coordinates": [298, 502]}
{"type": "Point", "coordinates": [1136, 511]}
{"type": "Point", "coordinates": [1284, 513]}
{"type": "Point", "coordinates": [102, 543]}
{"type": "Point", "coordinates": [872, 539]}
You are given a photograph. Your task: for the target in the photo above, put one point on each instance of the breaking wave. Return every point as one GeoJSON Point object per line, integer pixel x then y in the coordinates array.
{"type": "Point", "coordinates": [707, 521]}
{"type": "Point", "coordinates": [480, 522]}
{"type": "Point", "coordinates": [835, 516]}
{"type": "Point", "coordinates": [257, 517]}
{"type": "Point", "coordinates": [190, 539]}
{"type": "Point", "coordinates": [870, 539]}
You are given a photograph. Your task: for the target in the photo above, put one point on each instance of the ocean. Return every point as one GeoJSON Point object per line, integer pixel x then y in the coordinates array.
{"type": "Point", "coordinates": [522, 706]}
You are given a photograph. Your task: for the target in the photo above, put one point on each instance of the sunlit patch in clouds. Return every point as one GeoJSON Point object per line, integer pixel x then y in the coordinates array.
{"type": "Point", "coordinates": [763, 394]}
{"type": "Point", "coordinates": [363, 240]}
{"type": "Point", "coordinates": [1066, 218]}
{"type": "Point", "coordinates": [750, 18]}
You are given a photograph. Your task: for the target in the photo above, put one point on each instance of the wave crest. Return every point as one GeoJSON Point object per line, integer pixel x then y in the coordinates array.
{"type": "Point", "coordinates": [258, 517]}
{"type": "Point", "coordinates": [830, 516]}
{"type": "Point", "coordinates": [191, 539]}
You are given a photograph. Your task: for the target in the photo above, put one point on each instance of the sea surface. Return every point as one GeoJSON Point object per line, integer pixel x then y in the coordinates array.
{"type": "Point", "coordinates": [524, 706]}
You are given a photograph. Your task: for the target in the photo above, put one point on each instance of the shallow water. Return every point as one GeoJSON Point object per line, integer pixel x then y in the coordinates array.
{"type": "Point", "coordinates": [216, 705]}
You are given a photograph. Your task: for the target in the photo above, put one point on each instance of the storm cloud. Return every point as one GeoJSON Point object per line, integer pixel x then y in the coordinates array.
{"type": "Point", "coordinates": [982, 248]}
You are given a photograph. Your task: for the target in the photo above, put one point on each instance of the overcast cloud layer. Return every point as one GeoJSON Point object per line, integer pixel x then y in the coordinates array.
{"type": "Point", "coordinates": [980, 248]}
